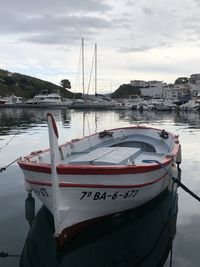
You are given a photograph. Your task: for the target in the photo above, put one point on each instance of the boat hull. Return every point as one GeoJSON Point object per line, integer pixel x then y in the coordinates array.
{"type": "Point", "coordinates": [80, 202]}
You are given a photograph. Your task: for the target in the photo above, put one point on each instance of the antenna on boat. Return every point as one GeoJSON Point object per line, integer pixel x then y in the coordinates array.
{"type": "Point", "coordinates": [54, 153]}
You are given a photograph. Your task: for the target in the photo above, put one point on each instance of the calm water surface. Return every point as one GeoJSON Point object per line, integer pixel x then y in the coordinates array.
{"type": "Point", "coordinates": [133, 239]}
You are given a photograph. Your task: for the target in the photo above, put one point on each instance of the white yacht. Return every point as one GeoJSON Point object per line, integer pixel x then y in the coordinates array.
{"type": "Point", "coordinates": [13, 99]}
{"type": "Point", "coordinates": [165, 105]}
{"type": "Point", "coordinates": [191, 105]}
{"type": "Point", "coordinates": [46, 99]}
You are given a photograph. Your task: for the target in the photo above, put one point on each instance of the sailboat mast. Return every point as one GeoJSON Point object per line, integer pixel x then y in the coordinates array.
{"type": "Point", "coordinates": [95, 50]}
{"type": "Point", "coordinates": [83, 68]}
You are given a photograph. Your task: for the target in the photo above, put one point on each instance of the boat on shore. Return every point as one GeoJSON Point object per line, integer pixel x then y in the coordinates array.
{"type": "Point", "coordinates": [102, 174]}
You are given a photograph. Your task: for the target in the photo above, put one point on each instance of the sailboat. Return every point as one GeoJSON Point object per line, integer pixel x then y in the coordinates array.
{"type": "Point", "coordinates": [99, 102]}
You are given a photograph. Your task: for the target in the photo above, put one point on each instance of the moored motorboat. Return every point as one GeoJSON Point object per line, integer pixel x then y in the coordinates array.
{"type": "Point", "coordinates": [46, 99]}
{"type": "Point", "coordinates": [101, 174]}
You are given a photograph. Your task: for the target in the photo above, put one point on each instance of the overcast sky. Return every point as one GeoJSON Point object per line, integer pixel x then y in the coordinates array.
{"type": "Point", "coordinates": [146, 39]}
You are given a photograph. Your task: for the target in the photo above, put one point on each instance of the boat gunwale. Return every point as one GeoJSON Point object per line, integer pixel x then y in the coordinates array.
{"type": "Point", "coordinates": [92, 169]}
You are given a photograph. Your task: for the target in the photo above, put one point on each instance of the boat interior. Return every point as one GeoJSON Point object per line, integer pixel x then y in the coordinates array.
{"type": "Point", "coordinates": [112, 148]}
{"type": "Point", "coordinates": [129, 151]}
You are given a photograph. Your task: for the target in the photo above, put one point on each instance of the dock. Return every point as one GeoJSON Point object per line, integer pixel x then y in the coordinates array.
{"type": "Point", "coordinates": [61, 106]}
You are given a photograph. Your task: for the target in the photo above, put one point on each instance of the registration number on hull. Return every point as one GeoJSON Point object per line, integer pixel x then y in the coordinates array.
{"type": "Point", "coordinates": [96, 195]}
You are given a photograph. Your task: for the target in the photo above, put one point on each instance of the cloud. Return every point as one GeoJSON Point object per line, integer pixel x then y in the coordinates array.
{"type": "Point", "coordinates": [133, 48]}
{"type": "Point", "coordinates": [53, 29]}
{"type": "Point", "coordinates": [130, 3]}
{"type": "Point", "coordinates": [52, 6]}
{"type": "Point", "coordinates": [33, 20]}
{"type": "Point", "coordinates": [40, 33]}
{"type": "Point", "coordinates": [147, 10]}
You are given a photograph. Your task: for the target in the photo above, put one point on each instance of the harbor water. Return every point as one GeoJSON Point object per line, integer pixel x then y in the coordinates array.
{"type": "Point", "coordinates": [141, 237]}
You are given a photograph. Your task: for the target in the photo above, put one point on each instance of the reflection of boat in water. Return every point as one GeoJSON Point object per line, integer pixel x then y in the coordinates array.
{"type": "Point", "coordinates": [139, 237]}
{"type": "Point", "coordinates": [24, 119]}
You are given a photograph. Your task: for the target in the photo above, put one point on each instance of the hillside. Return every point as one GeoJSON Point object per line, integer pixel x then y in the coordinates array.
{"type": "Point", "coordinates": [125, 91]}
{"type": "Point", "coordinates": [26, 86]}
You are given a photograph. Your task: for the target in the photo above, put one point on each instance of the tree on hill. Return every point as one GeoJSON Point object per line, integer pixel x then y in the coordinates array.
{"type": "Point", "coordinates": [181, 80]}
{"type": "Point", "coordinates": [9, 80]}
{"type": "Point", "coordinates": [65, 83]}
{"type": "Point", "coordinates": [125, 91]}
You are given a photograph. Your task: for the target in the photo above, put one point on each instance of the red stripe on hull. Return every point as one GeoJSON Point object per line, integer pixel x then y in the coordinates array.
{"type": "Point", "coordinates": [96, 185]}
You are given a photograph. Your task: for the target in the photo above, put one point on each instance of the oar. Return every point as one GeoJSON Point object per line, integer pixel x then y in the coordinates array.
{"type": "Point", "coordinates": [55, 160]}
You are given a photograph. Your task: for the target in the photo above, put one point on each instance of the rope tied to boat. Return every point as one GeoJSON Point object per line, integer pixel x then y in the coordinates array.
{"type": "Point", "coordinates": [9, 141]}
{"type": "Point", "coordinates": [5, 167]}
{"type": "Point", "coordinates": [174, 179]}
{"type": "Point", "coordinates": [1, 148]}
{"type": "Point", "coordinates": [185, 188]}
{"type": "Point", "coordinates": [5, 255]}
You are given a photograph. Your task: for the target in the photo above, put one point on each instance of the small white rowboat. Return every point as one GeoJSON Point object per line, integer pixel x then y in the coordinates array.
{"type": "Point", "coordinates": [101, 174]}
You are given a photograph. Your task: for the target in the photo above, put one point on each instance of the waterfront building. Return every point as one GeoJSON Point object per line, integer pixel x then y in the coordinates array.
{"type": "Point", "coordinates": [194, 82]}
{"type": "Point", "coordinates": [155, 89]}
{"type": "Point", "coordinates": [178, 92]}
{"type": "Point", "coordinates": [194, 79]}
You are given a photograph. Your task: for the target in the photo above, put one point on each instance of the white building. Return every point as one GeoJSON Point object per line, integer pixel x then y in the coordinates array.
{"type": "Point", "coordinates": [155, 89]}
{"type": "Point", "coordinates": [177, 91]}
{"type": "Point", "coordinates": [158, 89]}
{"type": "Point", "coordinates": [195, 89]}
{"type": "Point", "coordinates": [194, 78]}
{"type": "Point", "coordinates": [194, 82]}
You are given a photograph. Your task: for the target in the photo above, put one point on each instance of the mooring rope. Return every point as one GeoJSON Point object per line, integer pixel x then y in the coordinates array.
{"type": "Point", "coordinates": [171, 255]}
{"type": "Point", "coordinates": [8, 142]}
{"type": "Point", "coordinates": [5, 255]}
{"type": "Point", "coordinates": [185, 188]}
{"type": "Point", "coordinates": [174, 179]}
{"type": "Point", "coordinates": [1, 148]}
{"type": "Point", "coordinates": [5, 168]}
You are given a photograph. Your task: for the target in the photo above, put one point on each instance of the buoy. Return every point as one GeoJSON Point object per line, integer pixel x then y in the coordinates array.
{"type": "Point", "coordinates": [173, 173]}
{"type": "Point", "coordinates": [179, 156]}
